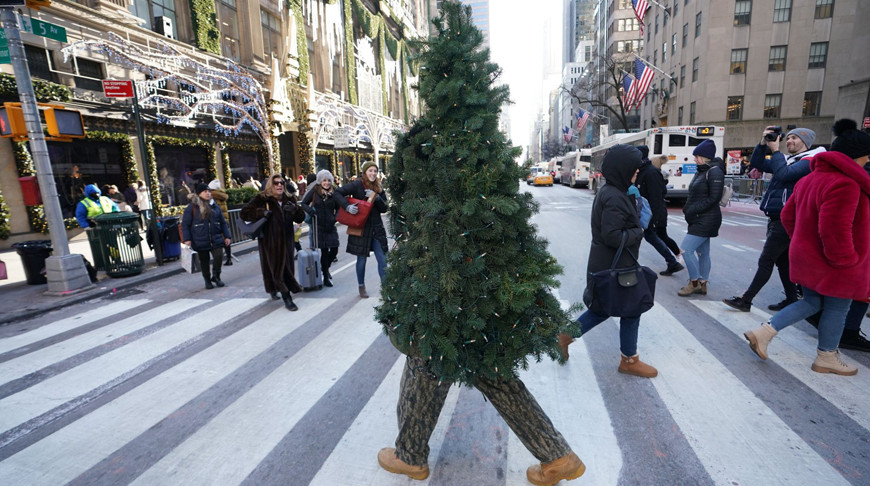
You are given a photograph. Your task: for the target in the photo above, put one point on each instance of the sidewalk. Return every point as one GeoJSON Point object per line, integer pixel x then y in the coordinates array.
{"type": "Point", "coordinates": [21, 301]}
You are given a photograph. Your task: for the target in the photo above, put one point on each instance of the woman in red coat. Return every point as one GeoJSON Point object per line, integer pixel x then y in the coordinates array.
{"type": "Point", "coordinates": [828, 220]}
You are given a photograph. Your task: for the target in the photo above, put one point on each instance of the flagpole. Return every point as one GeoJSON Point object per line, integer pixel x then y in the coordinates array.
{"type": "Point", "coordinates": [666, 9]}
{"type": "Point", "coordinates": [654, 68]}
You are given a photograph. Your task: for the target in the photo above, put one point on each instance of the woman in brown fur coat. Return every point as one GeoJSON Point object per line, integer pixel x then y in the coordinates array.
{"type": "Point", "coordinates": [276, 243]}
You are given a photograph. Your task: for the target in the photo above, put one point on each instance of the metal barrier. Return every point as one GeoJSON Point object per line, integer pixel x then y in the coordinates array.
{"type": "Point", "coordinates": [236, 233]}
{"type": "Point", "coordinates": [746, 188]}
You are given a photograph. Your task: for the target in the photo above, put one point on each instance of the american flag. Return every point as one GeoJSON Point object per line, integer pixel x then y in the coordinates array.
{"type": "Point", "coordinates": [640, 8]}
{"type": "Point", "coordinates": [582, 119]}
{"type": "Point", "coordinates": [629, 91]}
{"type": "Point", "coordinates": [643, 78]}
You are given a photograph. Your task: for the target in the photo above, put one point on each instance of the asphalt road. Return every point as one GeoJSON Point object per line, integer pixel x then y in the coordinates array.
{"type": "Point", "coordinates": [172, 384]}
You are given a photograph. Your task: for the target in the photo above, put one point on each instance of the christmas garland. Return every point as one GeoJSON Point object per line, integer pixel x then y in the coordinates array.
{"type": "Point", "coordinates": [44, 90]}
{"type": "Point", "coordinates": [204, 19]}
{"type": "Point", "coordinates": [150, 141]}
{"type": "Point", "coordinates": [348, 47]}
{"type": "Point", "coordinates": [304, 152]}
{"type": "Point", "coordinates": [128, 157]}
{"type": "Point", "coordinates": [4, 218]}
{"type": "Point", "coordinates": [295, 8]}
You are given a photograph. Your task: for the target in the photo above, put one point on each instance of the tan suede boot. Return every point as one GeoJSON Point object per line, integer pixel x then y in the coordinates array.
{"type": "Point", "coordinates": [634, 366]}
{"type": "Point", "coordinates": [362, 292]}
{"type": "Point", "coordinates": [831, 362]}
{"type": "Point", "coordinates": [693, 287]}
{"type": "Point", "coordinates": [388, 460]}
{"type": "Point", "coordinates": [703, 284]}
{"type": "Point", "coordinates": [760, 338]}
{"type": "Point", "coordinates": [566, 467]}
{"type": "Point", "coordinates": [564, 341]}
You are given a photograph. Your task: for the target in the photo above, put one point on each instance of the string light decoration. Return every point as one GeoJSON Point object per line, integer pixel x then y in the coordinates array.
{"type": "Point", "coordinates": [228, 94]}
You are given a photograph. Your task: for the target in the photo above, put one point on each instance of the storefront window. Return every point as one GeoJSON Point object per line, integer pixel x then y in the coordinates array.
{"type": "Point", "coordinates": [244, 165]}
{"type": "Point", "coordinates": [79, 163]}
{"type": "Point", "coordinates": [178, 169]}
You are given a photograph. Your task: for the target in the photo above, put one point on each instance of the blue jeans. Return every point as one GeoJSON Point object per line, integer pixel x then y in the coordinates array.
{"type": "Point", "coordinates": [627, 330]}
{"type": "Point", "coordinates": [361, 262]}
{"type": "Point", "coordinates": [831, 324]}
{"type": "Point", "coordinates": [698, 265]}
{"type": "Point", "coordinates": [652, 237]}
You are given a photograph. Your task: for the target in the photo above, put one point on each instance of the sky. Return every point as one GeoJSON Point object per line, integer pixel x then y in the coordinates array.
{"type": "Point", "coordinates": [516, 44]}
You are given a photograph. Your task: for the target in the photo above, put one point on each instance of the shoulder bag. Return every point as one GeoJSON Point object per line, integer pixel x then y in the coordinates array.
{"type": "Point", "coordinates": [621, 292]}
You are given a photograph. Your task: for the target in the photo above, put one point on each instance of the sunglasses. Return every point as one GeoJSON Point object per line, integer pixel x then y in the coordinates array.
{"type": "Point", "coordinates": [279, 183]}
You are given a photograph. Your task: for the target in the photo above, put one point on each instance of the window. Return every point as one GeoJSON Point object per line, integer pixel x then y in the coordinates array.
{"type": "Point", "coordinates": [680, 115]}
{"type": "Point", "coordinates": [685, 35]}
{"type": "Point", "coordinates": [676, 7]}
{"type": "Point", "coordinates": [777, 58]}
{"type": "Point", "coordinates": [738, 61]}
{"type": "Point", "coordinates": [90, 74]}
{"type": "Point", "coordinates": [81, 162]}
{"type": "Point", "coordinates": [271, 33]}
{"type": "Point", "coordinates": [625, 46]}
{"type": "Point", "coordinates": [742, 12]}
{"type": "Point", "coordinates": [812, 103]}
{"type": "Point", "coordinates": [665, 19]}
{"type": "Point", "coordinates": [664, 51]}
{"type": "Point", "coordinates": [682, 76]}
{"type": "Point", "coordinates": [657, 24]}
{"type": "Point", "coordinates": [735, 108]}
{"type": "Point", "coordinates": [824, 9]}
{"type": "Point", "coordinates": [818, 54]}
{"type": "Point", "coordinates": [692, 113]}
{"type": "Point", "coordinates": [623, 25]}
{"type": "Point", "coordinates": [152, 10]}
{"type": "Point", "coordinates": [782, 11]}
{"type": "Point", "coordinates": [695, 64]}
{"type": "Point", "coordinates": [229, 26]}
{"type": "Point", "coordinates": [655, 57]}
{"type": "Point", "coordinates": [674, 44]}
{"type": "Point", "coordinates": [698, 24]}
{"type": "Point", "coordinates": [37, 61]}
{"type": "Point", "coordinates": [772, 105]}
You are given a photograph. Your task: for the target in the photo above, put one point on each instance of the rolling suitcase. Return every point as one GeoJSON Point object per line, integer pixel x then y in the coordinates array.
{"type": "Point", "coordinates": [308, 271]}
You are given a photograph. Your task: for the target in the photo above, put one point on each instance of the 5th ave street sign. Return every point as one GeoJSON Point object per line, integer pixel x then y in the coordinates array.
{"type": "Point", "coordinates": [4, 49]}
{"type": "Point", "coordinates": [47, 30]}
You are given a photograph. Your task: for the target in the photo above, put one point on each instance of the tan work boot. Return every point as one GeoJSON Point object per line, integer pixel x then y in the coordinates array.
{"type": "Point", "coordinates": [564, 341]}
{"type": "Point", "coordinates": [566, 467]}
{"type": "Point", "coordinates": [760, 338]}
{"type": "Point", "coordinates": [634, 366]}
{"type": "Point", "coordinates": [693, 287]}
{"type": "Point", "coordinates": [831, 362]}
{"type": "Point", "coordinates": [362, 292]}
{"type": "Point", "coordinates": [388, 460]}
{"type": "Point", "coordinates": [703, 284]}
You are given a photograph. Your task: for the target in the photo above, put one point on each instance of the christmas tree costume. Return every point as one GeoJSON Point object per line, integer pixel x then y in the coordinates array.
{"type": "Point", "coordinates": [467, 294]}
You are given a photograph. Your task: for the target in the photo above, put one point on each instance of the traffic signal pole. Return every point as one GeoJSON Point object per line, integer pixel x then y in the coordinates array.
{"type": "Point", "coordinates": [65, 273]}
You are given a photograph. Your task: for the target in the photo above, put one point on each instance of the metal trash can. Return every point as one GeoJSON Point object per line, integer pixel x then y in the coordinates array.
{"type": "Point", "coordinates": [120, 243]}
{"type": "Point", "coordinates": [33, 254]}
{"type": "Point", "coordinates": [96, 253]}
{"type": "Point", "coordinates": [167, 227]}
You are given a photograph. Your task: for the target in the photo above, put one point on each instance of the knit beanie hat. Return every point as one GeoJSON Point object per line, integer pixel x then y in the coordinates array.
{"type": "Point", "coordinates": [808, 136]}
{"type": "Point", "coordinates": [215, 184]}
{"type": "Point", "coordinates": [706, 149]}
{"type": "Point", "coordinates": [850, 141]}
{"type": "Point", "coordinates": [199, 187]}
{"type": "Point", "coordinates": [644, 151]}
{"type": "Point", "coordinates": [368, 164]}
{"type": "Point", "coordinates": [325, 175]}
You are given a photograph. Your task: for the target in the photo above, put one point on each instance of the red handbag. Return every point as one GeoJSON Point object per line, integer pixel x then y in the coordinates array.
{"type": "Point", "coordinates": [357, 220]}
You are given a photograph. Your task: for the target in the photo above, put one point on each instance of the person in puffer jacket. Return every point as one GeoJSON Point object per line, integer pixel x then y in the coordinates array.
{"type": "Point", "coordinates": [205, 230]}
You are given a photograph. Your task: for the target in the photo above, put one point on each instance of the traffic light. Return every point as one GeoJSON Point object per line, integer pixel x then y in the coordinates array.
{"type": "Point", "coordinates": [64, 124]}
{"type": "Point", "coordinates": [12, 122]}
{"type": "Point", "coordinates": [35, 4]}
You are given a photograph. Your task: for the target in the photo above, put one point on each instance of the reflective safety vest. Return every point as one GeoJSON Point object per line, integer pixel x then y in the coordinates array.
{"type": "Point", "coordinates": [95, 209]}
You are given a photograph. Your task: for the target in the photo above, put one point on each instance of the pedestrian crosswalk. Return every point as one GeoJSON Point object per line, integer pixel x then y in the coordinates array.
{"type": "Point", "coordinates": [240, 391]}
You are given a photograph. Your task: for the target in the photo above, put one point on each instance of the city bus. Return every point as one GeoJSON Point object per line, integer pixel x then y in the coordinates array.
{"type": "Point", "coordinates": [575, 168]}
{"type": "Point", "coordinates": [677, 143]}
{"type": "Point", "coordinates": [554, 167]}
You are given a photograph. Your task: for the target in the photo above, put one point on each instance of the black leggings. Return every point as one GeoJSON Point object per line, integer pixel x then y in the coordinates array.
{"type": "Point", "coordinates": [326, 258]}
{"type": "Point", "coordinates": [216, 257]}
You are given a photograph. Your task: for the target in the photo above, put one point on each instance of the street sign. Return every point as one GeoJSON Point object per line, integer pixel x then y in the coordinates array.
{"type": "Point", "coordinates": [47, 30]}
{"type": "Point", "coordinates": [867, 122]}
{"type": "Point", "coordinates": [4, 49]}
{"type": "Point", "coordinates": [342, 137]}
{"type": "Point", "coordinates": [117, 89]}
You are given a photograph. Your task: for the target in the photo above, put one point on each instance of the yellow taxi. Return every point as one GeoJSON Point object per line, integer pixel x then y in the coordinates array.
{"type": "Point", "coordinates": [543, 178]}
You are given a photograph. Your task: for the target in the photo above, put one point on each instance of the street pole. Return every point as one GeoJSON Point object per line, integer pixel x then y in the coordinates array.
{"type": "Point", "coordinates": [146, 166]}
{"type": "Point", "coordinates": [65, 273]}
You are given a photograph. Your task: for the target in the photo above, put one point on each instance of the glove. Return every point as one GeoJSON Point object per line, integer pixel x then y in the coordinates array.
{"type": "Point", "coordinates": [92, 223]}
{"type": "Point", "coordinates": [267, 213]}
{"type": "Point", "coordinates": [369, 193]}
{"type": "Point", "coordinates": [352, 209]}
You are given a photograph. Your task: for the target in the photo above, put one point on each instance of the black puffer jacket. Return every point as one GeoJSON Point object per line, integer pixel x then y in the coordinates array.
{"type": "Point", "coordinates": [702, 210]}
{"type": "Point", "coordinates": [374, 228]}
{"type": "Point", "coordinates": [652, 186]}
{"type": "Point", "coordinates": [613, 212]}
{"type": "Point", "coordinates": [324, 207]}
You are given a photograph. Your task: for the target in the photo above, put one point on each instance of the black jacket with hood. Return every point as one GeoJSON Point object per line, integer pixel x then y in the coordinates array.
{"type": "Point", "coordinates": [702, 211]}
{"type": "Point", "coordinates": [653, 187]}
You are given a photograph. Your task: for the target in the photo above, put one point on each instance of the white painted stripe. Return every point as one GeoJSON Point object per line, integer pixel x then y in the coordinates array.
{"type": "Point", "coordinates": [795, 350]}
{"type": "Point", "coordinates": [733, 248]}
{"type": "Point", "coordinates": [108, 368]}
{"type": "Point", "coordinates": [354, 462]}
{"type": "Point", "coordinates": [335, 272]}
{"type": "Point", "coordinates": [74, 449]}
{"type": "Point", "coordinates": [737, 438]}
{"type": "Point", "coordinates": [43, 332]}
{"type": "Point", "coordinates": [28, 363]}
{"type": "Point", "coordinates": [229, 447]}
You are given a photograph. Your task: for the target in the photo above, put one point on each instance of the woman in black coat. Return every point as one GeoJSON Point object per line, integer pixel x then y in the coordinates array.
{"type": "Point", "coordinates": [614, 214]}
{"type": "Point", "coordinates": [374, 237]}
{"type": "Point", "coordinates": [205, 230]}
{"type": "Point", "coordinates": [322, 202]}
{"type": "Point", "coordinates": [704, 217]}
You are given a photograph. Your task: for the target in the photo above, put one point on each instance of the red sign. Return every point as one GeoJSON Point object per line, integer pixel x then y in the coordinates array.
{"type": "Point", "coordinates": [118, 89]}
{"type": "Point", "coordinates": [867, 122]}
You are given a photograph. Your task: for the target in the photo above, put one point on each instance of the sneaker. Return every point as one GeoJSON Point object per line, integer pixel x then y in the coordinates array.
{"type": "Point", "coordinates": [388, 460]}
{"type": "Point", "coordinates": [738, 303]}
{"type": "Point", "coordinates": [781, 305]}
{"type": "Point", "coordinates": [854, 339]}
{"type": "Point", "coordinates": [672, 269]}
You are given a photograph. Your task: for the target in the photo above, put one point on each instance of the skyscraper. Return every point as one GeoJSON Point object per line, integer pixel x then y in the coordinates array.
{"type": "Point", "coordinates": [479, 17]}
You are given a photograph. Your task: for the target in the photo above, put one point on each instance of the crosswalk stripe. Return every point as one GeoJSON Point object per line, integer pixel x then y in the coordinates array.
{"type": "Point", "coordinates": [63, 325]}
{"type": "Point", "coordinates": [107, 369]}
{"type": "Point", "coordinates": [734, 434]}
{"type": "Point", "coordinates": [795, 351]}
{"type": "Point", "coordinates": [39, 359]}
{"type": "Point", "coordinates": [224, 452]}
{"type": "Point", "coordinates": [733, 248]}
{"type": "Point", "coordinates": [97, 435]}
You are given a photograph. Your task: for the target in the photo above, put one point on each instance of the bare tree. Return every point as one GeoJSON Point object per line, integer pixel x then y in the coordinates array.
{"type": "Point", "coordinates": [597, 89]}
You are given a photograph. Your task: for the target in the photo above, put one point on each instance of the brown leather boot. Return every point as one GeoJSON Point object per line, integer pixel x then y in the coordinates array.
{"type": "Point", "coordinates": [362, 292]}
{"type": "Point", "coordinates": [564, 341]}
{"type": "Point", "coordinates": [388, 460]}
{"type": "Point", "coordinates": [693, 287]}
{"type": "Point", "coordinates": [566, 467]}
{"type": "Point", "coordinates": [634, 366]}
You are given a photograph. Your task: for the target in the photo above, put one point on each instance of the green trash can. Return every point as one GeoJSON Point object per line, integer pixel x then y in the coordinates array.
{"type": "Point", "coordinates": [96, 252]}
{"type": "Point", "coordinates": [120, 244]}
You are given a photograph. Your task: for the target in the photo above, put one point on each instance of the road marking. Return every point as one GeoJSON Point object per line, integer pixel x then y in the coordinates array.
{"type": "Point", "coordinates": [63, 325]}
{"type": "Point", "coordinates": [795, 351]}
{"type": "Point", "coordinates": [229, 447]}
{"type": "Point", "coordinates": [39, 359]}
{"type": "Point", "coordinates": [334, 272]}
{"type": "Point", "coordinates": [733, 248]}
{"type": "Point", "coordinates": [69, 452]}
{"type": "Point", "coordinates": [119, 363]}
{"type": "Point", "coordinates": [737, 438]}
